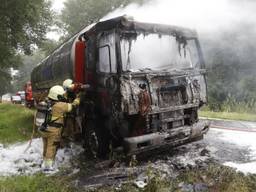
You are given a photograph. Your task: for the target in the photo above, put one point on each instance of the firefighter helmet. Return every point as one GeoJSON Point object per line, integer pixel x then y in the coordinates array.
{"type": "Point", "coordinates": [56, 91]}
{"type": "Point", "coordinates": [67, 83]}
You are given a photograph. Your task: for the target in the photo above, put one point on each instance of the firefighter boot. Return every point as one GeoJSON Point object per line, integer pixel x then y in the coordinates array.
{"type": "Point", "coordinates": [47, 165]}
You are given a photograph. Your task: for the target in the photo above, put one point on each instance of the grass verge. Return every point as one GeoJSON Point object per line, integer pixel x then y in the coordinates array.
{"type": "Point", "coordinates": [16, 123]}
{"type": "Point", "coordinates": [220, 178]}
{"type": "Point", "coordinates": [35, 183]}
{"type": "Point", "coordinates": [228, 115]}
{"type": "Point", "coordinates": [213, 178]}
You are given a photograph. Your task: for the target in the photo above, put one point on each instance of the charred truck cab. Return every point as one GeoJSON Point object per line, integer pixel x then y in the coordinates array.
{"type": "Point", "coordinates": [147, 82]}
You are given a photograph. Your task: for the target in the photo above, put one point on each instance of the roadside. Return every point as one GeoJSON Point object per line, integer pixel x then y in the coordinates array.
{"type": "Point", "coordinates": [228, 115]}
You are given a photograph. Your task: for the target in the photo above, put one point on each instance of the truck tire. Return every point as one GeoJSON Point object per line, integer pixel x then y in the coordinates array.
{"type": "Point", "coordinates": [96, 141]}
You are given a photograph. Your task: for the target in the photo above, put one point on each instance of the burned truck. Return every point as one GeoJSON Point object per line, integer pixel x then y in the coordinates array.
{"type": "Point", "coordinates": [147, 83]}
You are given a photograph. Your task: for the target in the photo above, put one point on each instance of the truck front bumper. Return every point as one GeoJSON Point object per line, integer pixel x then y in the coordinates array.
{"type": "Point", "coordinates": [171, 138]}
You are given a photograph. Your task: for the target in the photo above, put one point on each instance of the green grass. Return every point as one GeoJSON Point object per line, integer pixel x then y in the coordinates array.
{"type": "Point", "coordinates": [228, 115]}
{"type": "Point", "coordinates": [220, 178]}
{"type": "Point", "coordinates": [35, 183]}
{"type": "Point", "coordinates": [16, 123]}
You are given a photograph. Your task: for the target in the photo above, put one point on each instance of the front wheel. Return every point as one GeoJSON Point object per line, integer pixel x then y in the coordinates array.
{"type": "Point", "coordinates": [96, 141]}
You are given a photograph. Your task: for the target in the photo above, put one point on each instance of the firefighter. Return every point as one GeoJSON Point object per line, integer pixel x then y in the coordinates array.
{"type": "Point", "coordinates": [71, 128]}
{"type": "Point", "coordinates": [52, 135]}
{"type": "Point", "coordinates": [73, 120]}
{"type": "Point", "coordinates": [69, 87]}
{"type": "Point", "coordinates": [67, 83]}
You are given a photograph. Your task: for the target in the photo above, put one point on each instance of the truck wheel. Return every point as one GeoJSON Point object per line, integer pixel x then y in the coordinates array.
{"type": "Point", "coordinates": [96, 143]}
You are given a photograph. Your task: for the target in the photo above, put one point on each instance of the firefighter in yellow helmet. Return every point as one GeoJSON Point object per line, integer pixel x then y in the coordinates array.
{"type": "Point", "coordinates": [71, 129]}
{"type": "Point", "coordinates": [73, 119]}
{"type": "Point", "coordinates": [52, 134]}
{"type": "Point", "coordinates": [67, 84]}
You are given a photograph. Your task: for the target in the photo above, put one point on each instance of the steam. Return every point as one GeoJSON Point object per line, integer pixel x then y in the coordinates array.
{"type": "Point", "coordinates": [203, 15]}
{"type": "Point", "coordinates": [223, 25]}
{"type": "Point", "coordinates": [226, 31]}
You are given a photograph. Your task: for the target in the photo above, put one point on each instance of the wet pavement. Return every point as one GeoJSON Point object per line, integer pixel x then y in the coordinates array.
{"type": "Point", "coordinates": [233, 125]}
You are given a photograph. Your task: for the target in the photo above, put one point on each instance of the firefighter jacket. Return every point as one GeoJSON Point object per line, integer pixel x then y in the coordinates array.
{"type": "Point", "coordinates": [60, 108]}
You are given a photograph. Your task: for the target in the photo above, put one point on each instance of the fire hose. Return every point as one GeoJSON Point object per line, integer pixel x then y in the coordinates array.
{"type": "Point", "coordinates": [32, 135]}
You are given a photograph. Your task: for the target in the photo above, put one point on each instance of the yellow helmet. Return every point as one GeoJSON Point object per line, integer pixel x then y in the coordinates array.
{"type": "Point", "coordinates": [67, 83]}
{"type": "Point", "coordinates": [55, 91]}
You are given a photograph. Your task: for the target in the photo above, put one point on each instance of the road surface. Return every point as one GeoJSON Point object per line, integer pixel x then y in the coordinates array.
{"type": "Point", "coordinates": [233, 143]}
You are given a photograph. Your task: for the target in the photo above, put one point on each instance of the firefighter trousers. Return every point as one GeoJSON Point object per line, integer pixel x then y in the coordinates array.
{"type": "Point", "coordinates": [51, 142]}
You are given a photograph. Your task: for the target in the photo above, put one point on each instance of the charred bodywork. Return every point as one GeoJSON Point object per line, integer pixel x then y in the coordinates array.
{"type": "Point", "coordinates": [147, 83]}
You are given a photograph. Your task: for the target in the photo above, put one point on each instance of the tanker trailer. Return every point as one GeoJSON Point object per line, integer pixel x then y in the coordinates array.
{"type": "Point", "coordinates": [147, 82]}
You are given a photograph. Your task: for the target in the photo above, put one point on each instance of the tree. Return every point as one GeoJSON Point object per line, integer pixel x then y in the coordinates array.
{"type": "Point", "coordinates": [23, 25]}
{"type": "Point", "coordinates": [48, 46]}
{"type": "Point", "coordinates": [80, 13]}
{"type": "Point", "coordinates": [25, 69]}
{"type": "Point", "coordinates": [5, 79]}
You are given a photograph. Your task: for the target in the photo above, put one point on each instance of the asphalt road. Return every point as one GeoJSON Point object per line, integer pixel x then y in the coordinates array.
{"type": "Point", "coordinates": [231, 141]}
{"type": "Point", "coordinates": [245, 126]}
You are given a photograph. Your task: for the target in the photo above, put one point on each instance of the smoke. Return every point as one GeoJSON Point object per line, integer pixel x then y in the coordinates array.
{"type": "Point", "coordinates": [226, 31]}
{"type": "Point", "coordinates": [222, 25]}
{"type": "Point", "coordinates": [202, 15]}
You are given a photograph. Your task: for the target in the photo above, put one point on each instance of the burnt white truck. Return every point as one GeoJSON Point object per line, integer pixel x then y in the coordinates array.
{"type": "Point", "coordinates": [147, 83]}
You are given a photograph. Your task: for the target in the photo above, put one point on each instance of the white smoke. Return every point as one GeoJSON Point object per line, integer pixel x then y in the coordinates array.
{"type": "Point", "coordinates": [203, 15]}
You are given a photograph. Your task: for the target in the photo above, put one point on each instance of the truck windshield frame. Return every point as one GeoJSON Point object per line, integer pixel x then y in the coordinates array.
{"type": "Point", "coordinates": [143, 51]}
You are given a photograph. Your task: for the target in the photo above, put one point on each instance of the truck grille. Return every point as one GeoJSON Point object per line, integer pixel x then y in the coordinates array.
{"type": "Point", "coordinates": [169, 98]}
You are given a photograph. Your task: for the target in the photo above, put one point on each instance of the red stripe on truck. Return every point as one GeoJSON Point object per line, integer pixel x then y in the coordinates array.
{"type": "Point", "coordinates": [80, 62]}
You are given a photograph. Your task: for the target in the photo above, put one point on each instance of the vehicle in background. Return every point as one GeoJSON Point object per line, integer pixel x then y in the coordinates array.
{"type": "Point", "coordinates": [29, 100]}
{"type": "Point", "coordinates": [22, 96]}
{"type": "Point", "coordinates": [6, 98]}
{"type": "Point", "coordinates": [16, 99]}
{"type": "Point", "coordinates": [147, 82]}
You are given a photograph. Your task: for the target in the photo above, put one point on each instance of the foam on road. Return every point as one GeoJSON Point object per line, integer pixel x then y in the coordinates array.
{"type": "Point", "coordinates": [13, 160]}
{"type": "Point", "coordinates": [241, 139]}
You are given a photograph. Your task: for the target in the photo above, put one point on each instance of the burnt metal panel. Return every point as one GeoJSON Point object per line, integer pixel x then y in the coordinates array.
{"type": "Point", "coordinates": [126, 23]}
